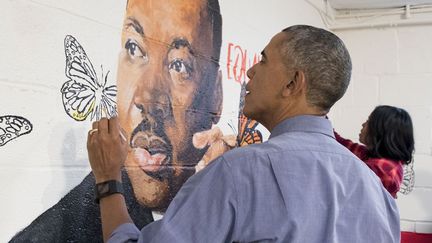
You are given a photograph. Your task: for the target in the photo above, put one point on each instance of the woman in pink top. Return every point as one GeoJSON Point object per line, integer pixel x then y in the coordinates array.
{"type": "Point", "coordinates": [387, 144]}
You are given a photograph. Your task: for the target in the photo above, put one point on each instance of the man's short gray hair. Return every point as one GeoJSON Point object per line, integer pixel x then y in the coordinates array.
{"type": "Point", "coordinates": [324, 59]}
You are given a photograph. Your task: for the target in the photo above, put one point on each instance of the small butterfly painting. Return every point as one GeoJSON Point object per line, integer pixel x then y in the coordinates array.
{"type": "Point", "coordinates": [85, 94]}
{"type": "Point", "coordinates": [12, 127]}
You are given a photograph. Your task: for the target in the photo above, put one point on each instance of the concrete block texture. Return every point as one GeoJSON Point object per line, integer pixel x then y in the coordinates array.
{"type": "Point", "coordinates": [392, 66]}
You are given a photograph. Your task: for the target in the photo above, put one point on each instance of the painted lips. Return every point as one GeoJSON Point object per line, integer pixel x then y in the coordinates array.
{"type": "Point", "coordinates": [150, 152]}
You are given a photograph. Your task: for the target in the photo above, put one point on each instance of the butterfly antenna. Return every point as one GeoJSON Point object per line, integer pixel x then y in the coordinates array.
{"type": "Point", "coordinates": [103, 78]}
{"type": "Point", "coordinates": [106, 78]}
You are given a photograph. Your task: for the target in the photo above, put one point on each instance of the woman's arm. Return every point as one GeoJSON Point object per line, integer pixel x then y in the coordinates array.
{"type": "Point", "coordinates": [356, 148]}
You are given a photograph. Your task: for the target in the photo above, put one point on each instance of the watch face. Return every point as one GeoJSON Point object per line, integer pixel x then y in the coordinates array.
{"type": "Point", "coordinates": [104, 188]}
{"type": "Point", "coordinates": [108, 188]}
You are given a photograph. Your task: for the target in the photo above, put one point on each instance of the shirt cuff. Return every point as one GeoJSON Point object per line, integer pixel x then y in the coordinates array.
{"type": "Point", "coordinates": [127, 232]}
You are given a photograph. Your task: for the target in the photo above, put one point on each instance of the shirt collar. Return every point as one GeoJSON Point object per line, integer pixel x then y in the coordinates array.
{"type": "Point", "coordinates": [304, 123]}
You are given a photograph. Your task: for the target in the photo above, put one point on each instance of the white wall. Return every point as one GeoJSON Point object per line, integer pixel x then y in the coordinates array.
{"type": "Point", "coordinates": [37, 169]}
{"type": "Point", "coordinates": [393, 66]}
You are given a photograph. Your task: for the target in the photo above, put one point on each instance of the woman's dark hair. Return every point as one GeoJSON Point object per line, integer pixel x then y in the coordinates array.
{"type": "Point", "coordinates": [390, 134]}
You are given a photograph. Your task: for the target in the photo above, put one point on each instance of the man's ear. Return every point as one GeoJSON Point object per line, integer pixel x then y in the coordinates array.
{"type": "Point", "coordinates": [215, 104]}
{"type": "Point", "coordinates": [296, 85]}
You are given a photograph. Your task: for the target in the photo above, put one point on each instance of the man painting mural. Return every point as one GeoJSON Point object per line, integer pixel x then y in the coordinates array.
{"type": "Point", "coordinates": [169, 88]}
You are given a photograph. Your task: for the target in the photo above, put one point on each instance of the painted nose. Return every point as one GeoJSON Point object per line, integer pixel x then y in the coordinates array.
{"type": "Point", "coordinates": [152, 99]}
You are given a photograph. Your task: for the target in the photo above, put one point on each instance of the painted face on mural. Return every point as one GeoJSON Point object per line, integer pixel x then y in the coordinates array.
{"type": "Point", "coordinates": [168, 89]}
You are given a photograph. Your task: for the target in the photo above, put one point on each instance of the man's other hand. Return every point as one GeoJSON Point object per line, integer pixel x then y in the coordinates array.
{"type": "Point", "coordinates": [217, 142]}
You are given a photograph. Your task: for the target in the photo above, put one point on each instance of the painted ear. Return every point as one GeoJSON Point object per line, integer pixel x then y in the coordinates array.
{"type": "Point", "coordinates": [215, 104]}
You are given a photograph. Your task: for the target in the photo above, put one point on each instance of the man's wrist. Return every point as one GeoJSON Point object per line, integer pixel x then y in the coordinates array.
{"type": "Point", "coordinates": [101, 179]}
{"type": "Point", "coordinates": [107, 188]}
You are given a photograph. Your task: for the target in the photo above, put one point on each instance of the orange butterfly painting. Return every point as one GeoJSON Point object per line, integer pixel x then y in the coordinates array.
{"type": "Point", "coordinates": [247, 132]}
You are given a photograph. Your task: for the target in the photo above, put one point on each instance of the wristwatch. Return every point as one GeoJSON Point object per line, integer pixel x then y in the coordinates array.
{"type": "Point", "coordinates": [107, 188]}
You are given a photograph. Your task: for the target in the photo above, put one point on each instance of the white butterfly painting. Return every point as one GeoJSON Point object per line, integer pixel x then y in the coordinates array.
{"type": "Point", "coordinates": [12, 127]}
{"type": "Point", "coordinates": [408, 179]}
{"type": "Point", "coordinates": [85, 94]}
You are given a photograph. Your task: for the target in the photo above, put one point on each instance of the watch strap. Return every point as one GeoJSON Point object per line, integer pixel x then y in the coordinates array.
{"type": "Point", "coordinates": [107, 188]}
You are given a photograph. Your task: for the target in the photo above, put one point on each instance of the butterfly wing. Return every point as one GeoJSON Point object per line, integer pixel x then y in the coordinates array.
{"type": "Point", "coordinates": [12, 127]}
{"type": "Point", "coordinates": [78, 65]}
{"type": "Point", "coordinates": [109, 100]}
{"type": "Point", "coordinates": [408, 179]}
{"type": "Point", "coordinates": [78, 99]}
{"type": "Point", "coordinates": [247, 132]}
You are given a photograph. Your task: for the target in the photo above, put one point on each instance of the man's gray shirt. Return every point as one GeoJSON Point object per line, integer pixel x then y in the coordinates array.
{"type": "Point", "coordinates": [299, 186]}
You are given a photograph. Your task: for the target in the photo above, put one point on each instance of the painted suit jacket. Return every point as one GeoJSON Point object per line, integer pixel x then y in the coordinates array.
{"type": "Point", "coordinates": [76, 217]}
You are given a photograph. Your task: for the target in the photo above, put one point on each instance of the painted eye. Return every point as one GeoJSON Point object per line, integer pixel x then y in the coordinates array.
{"type": "Point", "coordinates": [135, 51]}
{"type": "Point", "coordinates": [179, 66]}
{"type": "Point", "coordinates": [180, 69]}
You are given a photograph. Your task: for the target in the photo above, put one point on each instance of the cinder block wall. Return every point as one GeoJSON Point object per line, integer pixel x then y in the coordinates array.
{"type": "Point", "coordinates": [393, 66]}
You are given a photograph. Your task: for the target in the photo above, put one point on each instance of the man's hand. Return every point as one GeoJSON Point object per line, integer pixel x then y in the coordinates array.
{"type": "Point", "coordinates": [217, 142]}
{"type": "Point", "coordinates": [107, 149]}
